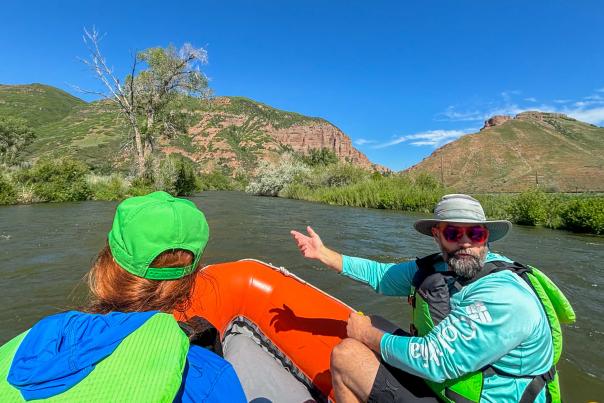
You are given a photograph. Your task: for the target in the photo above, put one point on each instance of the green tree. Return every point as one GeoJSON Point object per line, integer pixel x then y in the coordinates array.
{"type": "Point", "coordinates": [58, 180]}
{"type": "Point", "coordinates": [320, 156]}
{"type": "Point", "coordinates": [152, 96]}
{"type": "Point", "coordinates": [15, 135]}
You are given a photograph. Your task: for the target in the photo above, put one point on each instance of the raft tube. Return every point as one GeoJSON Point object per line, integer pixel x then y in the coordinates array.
{"type": "Point", "coordinates": [289, 320]}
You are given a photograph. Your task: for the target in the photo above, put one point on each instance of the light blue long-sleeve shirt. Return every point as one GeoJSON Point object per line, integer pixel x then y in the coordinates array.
{"type": "Point", "coordinates": [496, 320]}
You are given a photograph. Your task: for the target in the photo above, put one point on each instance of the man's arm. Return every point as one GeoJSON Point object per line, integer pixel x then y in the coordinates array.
{"type": "Point", "coordinates": [312, 247]}
{"type": "Point", "coordinates": [384, 278]}
{"type": "Point", "coordinates": [362, 328]}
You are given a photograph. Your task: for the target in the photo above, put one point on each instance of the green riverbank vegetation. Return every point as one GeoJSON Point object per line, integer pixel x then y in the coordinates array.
{"type": "Point", "coordinates": [314, 178]}
{"type": "Point", "coordinates": [317, 176]}
{"type": "Point", "coordinates": [346, 185]}
{"type": "Point", "coordinates": [66, 179]}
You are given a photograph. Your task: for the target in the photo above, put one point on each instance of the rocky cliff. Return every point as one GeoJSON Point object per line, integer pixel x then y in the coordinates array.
{"type": "Point", "coordinates": [237, 132]}
{"type": "Point", "coordinates": [495, 121]}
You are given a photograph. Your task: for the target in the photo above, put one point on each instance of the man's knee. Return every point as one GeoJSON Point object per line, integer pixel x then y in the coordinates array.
{"type": "Point", "coordinates": [342, 354]}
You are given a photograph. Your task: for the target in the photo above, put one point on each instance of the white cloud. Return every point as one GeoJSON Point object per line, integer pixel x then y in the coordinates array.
{"type": "Point", "coordinates": [508, 94]}
{"type": "Point", "coordinates": [530, 99]}
{"type": "Point", "coordinates": [452, 115]}
{"type": "Point", "coordinates": [434, 138]}
{"type": "Point", "coordinates": [590, 100]}
{"type": "Point", "coordinates": [562, 101]}
{"type": "Point", "coordinates": [600, 89]}
{"type": "Point", "coordinates": [594, 115]}
{"type": "Point", "coordinates": [361, 142]}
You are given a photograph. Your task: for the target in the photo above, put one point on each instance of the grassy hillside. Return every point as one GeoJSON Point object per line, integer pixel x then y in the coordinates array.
{"type": "Point", "coordinates": [37, 103]}
{"type": "Point", "coordinates": [262, 112]}
{"type": "Point", "coordinates": [551, 151]}
{"type": "Point", "coordinates": [91, 132]}
{"type": "Point", "coordinates": [94, 132]}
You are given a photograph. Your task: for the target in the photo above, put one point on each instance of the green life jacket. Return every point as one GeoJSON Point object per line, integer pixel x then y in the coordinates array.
{"type": "Point", "coordinates": [431, 304]}
{"type": "Point", "coordinates": [147, 366]}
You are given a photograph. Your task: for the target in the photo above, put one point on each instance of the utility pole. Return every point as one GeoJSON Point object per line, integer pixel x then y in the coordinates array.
{"type": "Point", "coordinates": [442, 175]}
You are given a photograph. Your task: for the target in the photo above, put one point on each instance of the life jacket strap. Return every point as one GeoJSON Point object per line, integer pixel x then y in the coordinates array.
{"type": "Point", "coordinates": [456, 397]}
{"type": "Point", "coordinates": [202, 333]}
{"type": "Point", "coordinates": [534, 387]}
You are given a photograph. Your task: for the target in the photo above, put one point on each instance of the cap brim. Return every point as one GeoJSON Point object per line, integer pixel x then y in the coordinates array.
{"type": "Point", "coordinates": [498, 229]}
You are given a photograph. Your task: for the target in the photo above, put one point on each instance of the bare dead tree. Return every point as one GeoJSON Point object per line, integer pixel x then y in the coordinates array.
{"type": "Point", "coordinates": [147, 98]}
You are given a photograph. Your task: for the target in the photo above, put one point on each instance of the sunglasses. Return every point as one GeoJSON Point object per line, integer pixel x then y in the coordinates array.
{"type": "Point", "coordinates": [477, 234]}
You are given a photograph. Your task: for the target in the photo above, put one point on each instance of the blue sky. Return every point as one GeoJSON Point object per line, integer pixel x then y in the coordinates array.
{"type": "Point", "coordinates": [399, 78]}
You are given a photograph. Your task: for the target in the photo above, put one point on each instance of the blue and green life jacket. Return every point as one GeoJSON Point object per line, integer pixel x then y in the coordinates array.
{"type": "Point", "coordinates": [431, 304]}
{"type": "Point", "coordinates": [146, 364]}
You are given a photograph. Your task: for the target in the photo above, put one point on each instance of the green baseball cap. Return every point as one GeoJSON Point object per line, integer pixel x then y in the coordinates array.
{"type": "Point", "coordinates": [146, 226]}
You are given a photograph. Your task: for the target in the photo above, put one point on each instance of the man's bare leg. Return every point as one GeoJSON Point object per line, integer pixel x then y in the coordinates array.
{"type": "Point", "coordinates": [353, 370]}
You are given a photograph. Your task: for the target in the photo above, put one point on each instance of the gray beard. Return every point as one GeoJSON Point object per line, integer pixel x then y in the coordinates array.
{"type": "Point", "coordinates": [465, 266]}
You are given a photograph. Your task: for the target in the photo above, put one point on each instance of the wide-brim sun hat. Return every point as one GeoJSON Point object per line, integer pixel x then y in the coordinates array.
{"type": "Point", "coordinates": [146, 226]}
{"type": "Point", "coordinates": [463, 209]}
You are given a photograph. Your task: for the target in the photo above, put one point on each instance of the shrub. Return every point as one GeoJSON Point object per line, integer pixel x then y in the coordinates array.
{"type": "Point", "coordinates": [426, 181]}
{"type": "Point", "coordinates": [271, 179]}
{"type": "Point", "coordinates": [320, 157]}
{"type": "Point", "coordinates": [8, 193]}
{"type": "Point", "coordinates": [112, 187]}
{"type": "Point", "coordinates": [496, 207]}
{"type": "Point", "coordinates": [58, 180]}
{"type": "Point", "coordinates": [335, 175]}
{"type": "Point", "coordinates": [584, 215]}
{"type": "Point", "coordinates": [15, 136]}
{"type": "Point", "coordinates": [174, 174]}
{"type": "Point", "coordinates": [343, 174]}
{"type": "Point", "coordinates": [26, 194]}
{"type": "Point", "coordinates": [394, 192]}
{"type": "Point", "coordinates": [529, 208]}
{"type": "Point", "coordinates": [186, 181]}
{"type": "Point", "coordinates": [141, 186]}
{"type": "Point", "coordinates": [216, 180]}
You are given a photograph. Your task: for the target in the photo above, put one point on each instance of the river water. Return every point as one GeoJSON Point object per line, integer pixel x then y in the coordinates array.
{"type": "Point", "coordinates": [46, 249]}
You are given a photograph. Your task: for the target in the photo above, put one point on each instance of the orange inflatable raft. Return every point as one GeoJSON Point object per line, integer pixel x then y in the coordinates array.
{"type": "Point", "coordinates": [277, 330]}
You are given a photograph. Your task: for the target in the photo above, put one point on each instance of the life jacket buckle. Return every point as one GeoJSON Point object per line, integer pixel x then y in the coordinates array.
{"type": "Point", "coordinates": [550, 375]}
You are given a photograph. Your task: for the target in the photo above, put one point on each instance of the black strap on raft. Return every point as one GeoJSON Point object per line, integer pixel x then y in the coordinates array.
{"type": "Point", "coordinates": [202, 333]}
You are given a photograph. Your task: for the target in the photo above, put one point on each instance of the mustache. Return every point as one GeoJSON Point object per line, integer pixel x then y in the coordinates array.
{"type": "Point", "coordinates": [468, 252]}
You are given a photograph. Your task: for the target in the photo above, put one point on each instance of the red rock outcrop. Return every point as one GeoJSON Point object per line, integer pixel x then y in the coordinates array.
{"type": "Point", "coordinates": [229, 139]}
{"type": "Point", "coordinates": [320, 135]}
{"type": "Point", "coordinates": [495, 121]}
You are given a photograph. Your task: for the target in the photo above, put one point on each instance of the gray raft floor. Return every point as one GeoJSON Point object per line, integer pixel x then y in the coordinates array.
{"type": "Point", "coordinates": [263, 378]}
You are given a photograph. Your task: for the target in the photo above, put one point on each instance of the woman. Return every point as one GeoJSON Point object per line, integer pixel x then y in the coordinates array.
{"type": "Point", "coordinates": [126, 345]}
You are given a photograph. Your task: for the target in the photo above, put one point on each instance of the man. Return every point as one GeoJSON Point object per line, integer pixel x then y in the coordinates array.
{"type": "Point", "coordinates": [479, 332]}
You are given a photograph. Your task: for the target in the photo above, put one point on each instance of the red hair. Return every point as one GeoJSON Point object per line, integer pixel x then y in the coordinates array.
{"type": "Point", "coordinates": [114, 289]}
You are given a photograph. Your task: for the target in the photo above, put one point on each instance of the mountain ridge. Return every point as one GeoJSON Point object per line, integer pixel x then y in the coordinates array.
{"type": "Point", "coordinates": [229, 133]}
{"type": "Point", "coordinates": [551, 151]}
